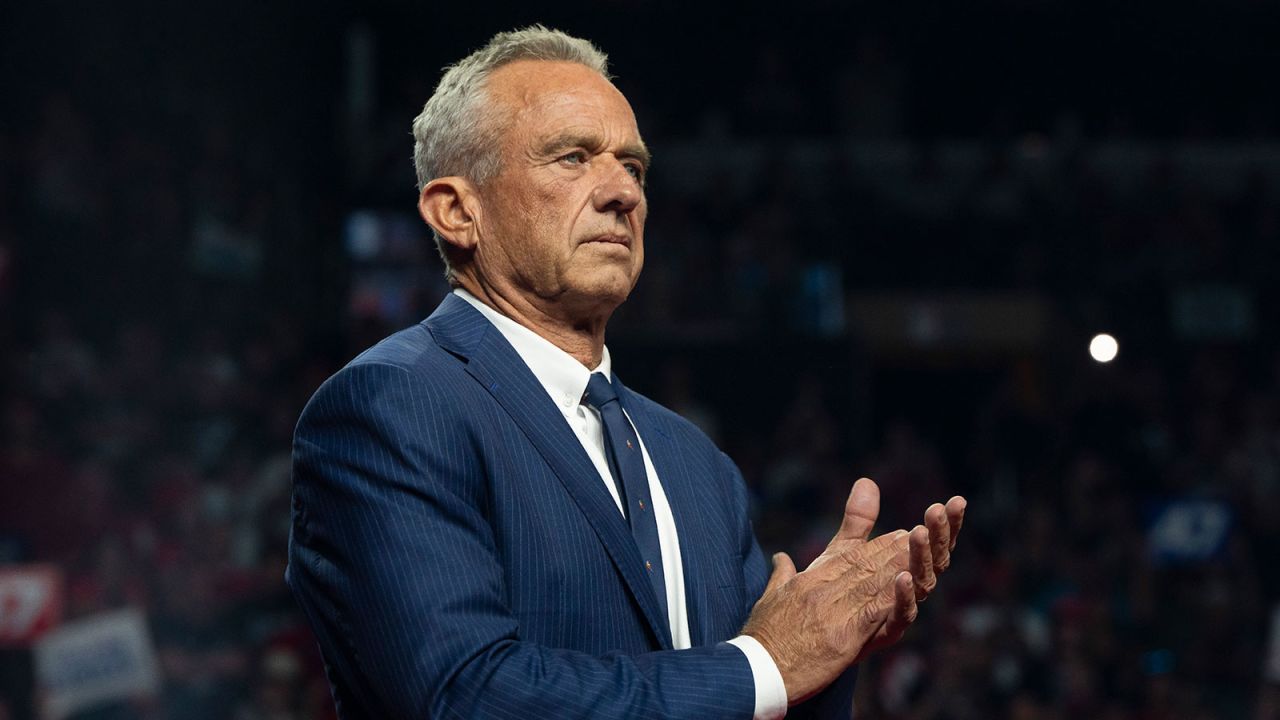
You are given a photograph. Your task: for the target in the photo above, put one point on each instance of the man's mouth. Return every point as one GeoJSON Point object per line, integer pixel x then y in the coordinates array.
{"type": "Point", "coordinates": [611, 239]}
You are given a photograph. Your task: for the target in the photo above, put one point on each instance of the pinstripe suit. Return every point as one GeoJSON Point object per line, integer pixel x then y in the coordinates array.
{"type": "Point", "coordinates": [457, 555]}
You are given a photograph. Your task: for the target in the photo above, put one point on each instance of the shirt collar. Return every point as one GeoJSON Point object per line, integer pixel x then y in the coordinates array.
{"type": "Point", "coordinates": [564, 378]}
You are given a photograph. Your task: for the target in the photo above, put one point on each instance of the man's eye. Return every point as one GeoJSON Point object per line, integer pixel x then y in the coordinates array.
{"type": "Point", "coordinates": [636, 171]}
{"type": "Point", "coordinates": [577, 157]}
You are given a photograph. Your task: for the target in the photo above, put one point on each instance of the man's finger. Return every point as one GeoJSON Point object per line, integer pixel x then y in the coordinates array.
{"type": "Point", "coordinates": [955, 516]}
{"type": "Point", "coordinates": [901, 614]}
{"type": "Point", "coordinates": [860, 511]}
{"type": "Point", "coordinates": [870, 568]}
{"type": "Point", "coordinates": [922, 563]}
{"type": "Point", "coordinates": [783, 570]}
{"type": "Point", "coordinates": [904, 607]}
{"type": "Point", "coordinates": [935, 518]}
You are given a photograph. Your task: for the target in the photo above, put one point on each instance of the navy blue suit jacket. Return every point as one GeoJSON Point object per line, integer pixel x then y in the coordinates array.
{"type": "Point", "coordinates": [458, 556]}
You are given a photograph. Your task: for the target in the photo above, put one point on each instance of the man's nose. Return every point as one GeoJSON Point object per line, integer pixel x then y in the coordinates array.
{"type": "Point", "coordinates": [618, 191]}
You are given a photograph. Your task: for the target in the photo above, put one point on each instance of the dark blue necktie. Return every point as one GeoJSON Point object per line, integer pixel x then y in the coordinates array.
{"type": "Point", "coordinates": [627, 464]}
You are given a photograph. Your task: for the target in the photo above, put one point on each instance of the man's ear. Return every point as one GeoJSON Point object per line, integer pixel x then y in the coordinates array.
{"type": "Point", "coordinates": [449, 206]}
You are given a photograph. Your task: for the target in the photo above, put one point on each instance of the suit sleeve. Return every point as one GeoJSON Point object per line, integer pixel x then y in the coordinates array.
{"type": "Point", "coordinates": [394, 562]}
{"type": "Point", "coordinates": [836, 701]}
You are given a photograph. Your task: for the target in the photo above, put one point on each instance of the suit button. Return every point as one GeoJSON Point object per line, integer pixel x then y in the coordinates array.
{"type": "Point", "coordinates": [629, 447]}
{"type": "Point", "coordinates": [648, 566]}
{"type": "Point", "coordinates": [641, 505]}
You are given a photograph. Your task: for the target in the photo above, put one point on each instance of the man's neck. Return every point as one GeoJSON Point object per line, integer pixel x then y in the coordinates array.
{"type": "Point", "coordinates": [582, 339]}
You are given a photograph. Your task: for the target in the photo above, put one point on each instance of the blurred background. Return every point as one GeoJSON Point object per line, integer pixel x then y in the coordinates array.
{"type": "Point", "coordinates": [901, 223]}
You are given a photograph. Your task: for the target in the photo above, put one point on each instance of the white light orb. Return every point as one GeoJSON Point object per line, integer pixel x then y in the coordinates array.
{"type": "Point", "coordinates": [1103, 348]}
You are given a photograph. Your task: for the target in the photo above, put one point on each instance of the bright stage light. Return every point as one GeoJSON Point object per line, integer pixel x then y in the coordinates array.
{"type": "Point", "coordinates": [1103, 348]}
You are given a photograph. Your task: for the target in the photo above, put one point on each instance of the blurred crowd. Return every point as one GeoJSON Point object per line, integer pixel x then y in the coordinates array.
{"type": "Point", "coordinates": [153, 371]}
{"type": "Point", "coordinates": [1060, 604]}
{"type": "Point", "coordinates": [168, 302]}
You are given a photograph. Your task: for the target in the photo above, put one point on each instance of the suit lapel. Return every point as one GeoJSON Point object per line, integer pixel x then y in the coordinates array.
{"type": "Point", "coordinates": [679, 489]}
{"type": "Point", "coordinates": [462, 330]}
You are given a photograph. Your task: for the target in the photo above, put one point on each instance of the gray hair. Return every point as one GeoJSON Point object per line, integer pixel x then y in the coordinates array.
{"type": "Point", "coordinates": [457, 131]}
{"type": "Point", "coordinates": [454, 133]}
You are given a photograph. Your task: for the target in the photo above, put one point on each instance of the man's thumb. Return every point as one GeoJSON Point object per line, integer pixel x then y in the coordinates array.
{"type": "Point", "coordinates": [783, 570]}
{"type": "Point", "coordinates": [860, 511]}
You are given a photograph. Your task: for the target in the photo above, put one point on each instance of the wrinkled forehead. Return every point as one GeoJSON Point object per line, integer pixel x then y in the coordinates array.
{"type": "Point", "coordinates": [556, 90]}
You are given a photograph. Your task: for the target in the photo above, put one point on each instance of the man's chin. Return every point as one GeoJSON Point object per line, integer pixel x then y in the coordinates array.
{"type": "Point", "coordinates": [605, 292]}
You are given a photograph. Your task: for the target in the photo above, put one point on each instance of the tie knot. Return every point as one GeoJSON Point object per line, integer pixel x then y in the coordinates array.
{"type": "Point", "coordinates": [599, 391]}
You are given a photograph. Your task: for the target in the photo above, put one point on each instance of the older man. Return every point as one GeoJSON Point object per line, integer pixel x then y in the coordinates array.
{"type": "Point", "coordinates": [487, 523]}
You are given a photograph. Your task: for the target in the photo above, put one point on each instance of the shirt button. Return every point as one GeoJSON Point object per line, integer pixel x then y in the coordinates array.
{"type": "Point", "coordinates": [567, 402]}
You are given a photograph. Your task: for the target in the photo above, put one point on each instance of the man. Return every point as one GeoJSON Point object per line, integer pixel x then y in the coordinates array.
{"type": "Point", "coordinates": [487, 523]}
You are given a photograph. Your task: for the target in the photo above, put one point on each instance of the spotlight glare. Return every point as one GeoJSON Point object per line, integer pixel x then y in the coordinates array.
{"type": "Point", "coordinates": [1103, 348]}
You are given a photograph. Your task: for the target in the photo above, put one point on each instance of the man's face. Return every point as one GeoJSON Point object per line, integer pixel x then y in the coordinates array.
{"type": "Point", "coordinates": [563, 221]}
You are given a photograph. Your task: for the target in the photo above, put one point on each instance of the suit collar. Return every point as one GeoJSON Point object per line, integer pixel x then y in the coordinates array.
{"type": "Point", "coordinates": [462, 330]}
{"type": "Point", "coordinates": [457, 327]}
{"type": "Point", "coordinates": [560, 374]}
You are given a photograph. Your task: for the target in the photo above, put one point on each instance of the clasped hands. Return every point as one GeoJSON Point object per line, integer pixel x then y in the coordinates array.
{"type": "Point", "coordinates": [859, 595]}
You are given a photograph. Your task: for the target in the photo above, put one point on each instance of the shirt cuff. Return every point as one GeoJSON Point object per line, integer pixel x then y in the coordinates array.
{"type": "Point", "coordinates": [771, 692]}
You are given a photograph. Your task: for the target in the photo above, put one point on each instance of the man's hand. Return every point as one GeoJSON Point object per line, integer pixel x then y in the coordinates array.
{"type": "Point", "coordinates": [931, 546]}
{"type": "Point", "coordinates": [857, 596]}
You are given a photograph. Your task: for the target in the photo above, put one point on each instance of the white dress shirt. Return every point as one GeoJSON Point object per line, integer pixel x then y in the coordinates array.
{"type": "Point", "coordinates": [565, 380]}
